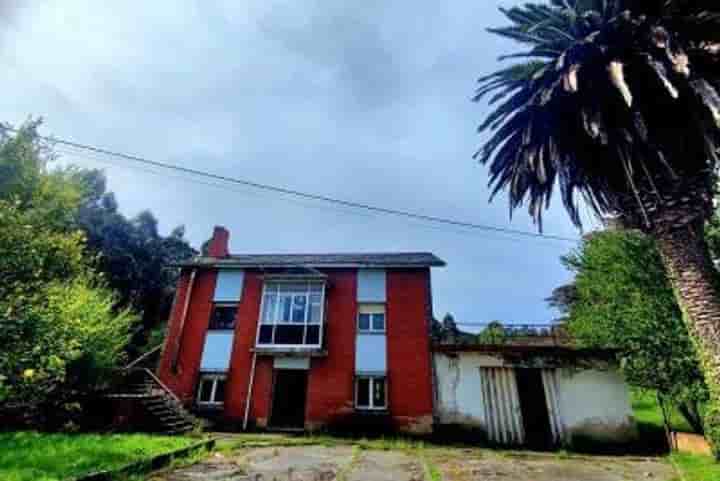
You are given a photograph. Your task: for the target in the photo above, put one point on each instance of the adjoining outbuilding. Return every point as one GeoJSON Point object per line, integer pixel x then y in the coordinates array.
{"type": "Point", "coordinates": [533, 390]}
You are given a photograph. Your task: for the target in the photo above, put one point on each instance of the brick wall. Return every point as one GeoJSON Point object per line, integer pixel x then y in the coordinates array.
{"type": "Point", "coordinates": [330, 394]}
{"type": "Point", "coordinates": [408, 340]}
{"type": "Point", "coordinates": [330, 384]}
{"type": "Point", "coordinates": [241, 360]}
{"type": "Point", "coordinates": [187, 345]}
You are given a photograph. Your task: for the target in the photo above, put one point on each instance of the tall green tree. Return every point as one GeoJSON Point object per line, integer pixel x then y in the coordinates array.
{"type": "Point", "coordinates": [134, 257]}
{"type": "Point", "coordinates": [621, 298]}
{"type": "Point", "coordinates": [616, 102]}
{"type": "Point", "coordinates": [59, 327]}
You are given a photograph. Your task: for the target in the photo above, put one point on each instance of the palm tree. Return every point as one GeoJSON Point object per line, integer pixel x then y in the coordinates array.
{"type": "Point", "coordinates": [616, 102]}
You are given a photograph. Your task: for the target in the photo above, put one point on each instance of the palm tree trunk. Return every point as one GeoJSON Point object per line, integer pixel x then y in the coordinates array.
{"type": "Point", "coordinates": [694, 280]}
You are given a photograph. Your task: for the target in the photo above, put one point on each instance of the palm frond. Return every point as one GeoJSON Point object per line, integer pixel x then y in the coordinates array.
{"type": "Point", "coordinates": [614, 98]}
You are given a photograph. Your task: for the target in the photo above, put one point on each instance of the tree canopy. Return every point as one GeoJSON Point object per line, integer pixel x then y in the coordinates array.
{"type": "Point", "coordinates": [135, 258]}
{"type": "Point", "coordinates": [612, 100]}
{"type": "Point", "coordinates": [59, 326]}
{"type": "Point", "coordinates": [621, 298]}
{"type": "Point", "coordinates": [75, 273]}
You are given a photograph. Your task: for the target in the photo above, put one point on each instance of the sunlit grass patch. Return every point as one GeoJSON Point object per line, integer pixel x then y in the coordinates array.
{"type": "Point", "coordinates": [32, 456]}
{"type": "Point", "coordinates": [695, 467]}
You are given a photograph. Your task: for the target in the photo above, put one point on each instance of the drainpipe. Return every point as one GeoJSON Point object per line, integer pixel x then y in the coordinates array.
{"type": "Point", "coordinates": [183, 316]}
{"type": "Point", "coordinates": [250, 389]}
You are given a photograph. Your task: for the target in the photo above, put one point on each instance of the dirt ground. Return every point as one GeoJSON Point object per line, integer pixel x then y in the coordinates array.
{"type": "Point", "coordinates": [485, 465]}
{"type": "Point", "coordinates": [351, 463]}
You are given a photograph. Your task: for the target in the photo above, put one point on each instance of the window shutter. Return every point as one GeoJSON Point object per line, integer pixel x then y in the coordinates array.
{"type": "Point", "coordinates": [216, 352]}
{"type": "Point", "coordinates": [371, 285]}
{"type": "Point", "coordinates": [228, 287]}
{"type": "Point", "coordinates": [370, 354]}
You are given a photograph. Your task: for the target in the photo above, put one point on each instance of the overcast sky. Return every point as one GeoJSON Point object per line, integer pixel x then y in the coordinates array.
{"type": "Point", "coordinates": [365, 100]}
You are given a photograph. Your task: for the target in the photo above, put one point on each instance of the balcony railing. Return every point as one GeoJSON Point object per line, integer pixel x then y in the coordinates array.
{"type": "Point", "coordinates": [494, 333]}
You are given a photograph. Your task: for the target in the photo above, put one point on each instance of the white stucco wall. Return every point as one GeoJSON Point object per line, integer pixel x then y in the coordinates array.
{"type": "Point", "coordinates": [596, 405]}
{"type": "Point", "coordinates": [592, 403]}
{"type": "Point", "coordinates": [460, 397]}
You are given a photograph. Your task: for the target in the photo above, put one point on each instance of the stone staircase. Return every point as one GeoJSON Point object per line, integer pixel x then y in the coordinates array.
{"type": "Point", "coordinates": [162, 410]}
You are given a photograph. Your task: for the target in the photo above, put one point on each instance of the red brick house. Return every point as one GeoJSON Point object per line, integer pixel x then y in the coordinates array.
{"type": "Point", "coordinates": [303, 341]}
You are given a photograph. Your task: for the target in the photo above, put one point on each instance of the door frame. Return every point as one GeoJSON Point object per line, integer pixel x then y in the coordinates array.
{"type": "Point", "coordinates": [273, 390]}
{"type": "Point", "coordinates": [522, 377]}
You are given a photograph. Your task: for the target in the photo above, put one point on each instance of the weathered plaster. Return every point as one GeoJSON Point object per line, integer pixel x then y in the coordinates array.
{"type": "Point", "coordinates": [593, 404]}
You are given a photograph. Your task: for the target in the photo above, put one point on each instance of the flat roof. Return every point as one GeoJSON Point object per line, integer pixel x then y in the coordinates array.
{"type": "Point", "coordinates": [558, 349]}
{"type": "Point", "coordinates": [367, 260]}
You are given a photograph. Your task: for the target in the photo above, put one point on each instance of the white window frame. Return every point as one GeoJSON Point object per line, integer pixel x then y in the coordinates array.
{"type": "Point", "coordinates": [371, 386]}
{"type": "Point", "coordinates": [223, 304]}
{"type": "Point", "coordinates": [371, 309]}
{"type": "Point", "coordinates": [306, 322]}
{"type": "Point", "coordinates": [214, 378]}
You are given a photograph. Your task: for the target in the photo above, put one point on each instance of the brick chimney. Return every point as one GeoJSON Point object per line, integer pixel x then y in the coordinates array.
{"type": "Point", "coordinates": [219, 243]}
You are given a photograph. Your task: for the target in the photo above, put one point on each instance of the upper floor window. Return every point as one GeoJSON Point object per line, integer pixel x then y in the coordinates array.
{"type": "Point", "coordinates": [292, 314]}
{"type": "Point", "coordinates": [371, 318]}
{"type": "Point", "coordinates": [223, 316]}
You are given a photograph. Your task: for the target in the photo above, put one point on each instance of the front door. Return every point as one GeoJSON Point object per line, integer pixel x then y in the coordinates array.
{"type": "Point", "coordinates": [533, 405]}
{"type": "Point", "coordinates": [288, 404]}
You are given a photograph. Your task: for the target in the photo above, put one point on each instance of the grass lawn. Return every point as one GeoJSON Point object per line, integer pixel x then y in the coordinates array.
{"type": "Point", "coordinates": [692, 467]}
{"type": "Point", "coordinates": [32, 456]}
{"type": "Point", "coordinates": [647, 411]}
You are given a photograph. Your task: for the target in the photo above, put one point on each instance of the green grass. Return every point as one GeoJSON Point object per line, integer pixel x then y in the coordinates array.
{"type": "Point", "coordinates": [690, 467]}
{"type": "Point", "coordinates": [647, 411]}
{"type": "Point", "coordinates": [694, 467]}
{"type": "Point", "coordinates": [650, 424]}
{"type": "Point", "coordinates": [32, 456]}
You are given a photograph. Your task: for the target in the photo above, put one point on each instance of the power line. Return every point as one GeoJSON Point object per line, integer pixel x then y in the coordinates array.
{"type": "Point", "coordinates": [79, 153]}
{"type": "Point", "coordinates": [299, 194]}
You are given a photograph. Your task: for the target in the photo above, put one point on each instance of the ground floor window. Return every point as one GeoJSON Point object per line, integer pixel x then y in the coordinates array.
{"type": "Point", "coordinates": [211, 389]}
{"type": "Point", "coordinates": [370, 392]}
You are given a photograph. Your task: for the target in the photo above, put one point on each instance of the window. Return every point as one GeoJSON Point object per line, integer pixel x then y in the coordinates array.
{"type": "Point", "coordinates": [211, 390]}
{"type": "Point", "coordinates": [371, 318]}
{"type": "Point", "coordinates": [292, 314]}
{"type": "Point", "coordinates": [370, 393]}
{"type": "Point", "coordinates": [223, 316]}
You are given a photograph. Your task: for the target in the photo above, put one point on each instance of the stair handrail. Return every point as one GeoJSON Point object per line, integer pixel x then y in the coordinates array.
{"type": "Point", "coordinates": [147, 354]}
{"type": "Point", "coordinates": [162, 385]}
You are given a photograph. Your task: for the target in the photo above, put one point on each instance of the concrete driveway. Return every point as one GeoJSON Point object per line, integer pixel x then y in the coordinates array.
{"type": "Point", "coordinates": [350, 463]}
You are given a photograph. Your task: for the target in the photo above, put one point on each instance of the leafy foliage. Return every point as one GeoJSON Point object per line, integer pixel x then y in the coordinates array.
{"type": "Point", "coordinates": [50, 197]}
{"type": "Point", "coordinates": [132, 254]}
{"type": "Point", "coordinates": [59, 328]}
{"type": "Point", "coordinates": [622, 299]}
{"type": "Point", "coordinates": [494, 333]}
{"type": "Point", "coordinates": [614, 99]}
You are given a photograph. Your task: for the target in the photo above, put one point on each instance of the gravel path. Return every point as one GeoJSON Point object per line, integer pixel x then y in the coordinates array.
{"type": "Point", "coordinates": [348, 463]}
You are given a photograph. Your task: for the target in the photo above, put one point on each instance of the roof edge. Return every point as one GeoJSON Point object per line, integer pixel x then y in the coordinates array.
{"type": "Point", "coordinates": [237, 262]}
{"type": "Point", "coordinates": [500, 348]}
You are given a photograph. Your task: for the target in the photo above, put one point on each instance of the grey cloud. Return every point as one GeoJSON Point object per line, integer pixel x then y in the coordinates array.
{"type": "Point", "coordinates": [366, 101]}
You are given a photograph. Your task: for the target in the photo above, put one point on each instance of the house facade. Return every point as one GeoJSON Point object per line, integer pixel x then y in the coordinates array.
{"type": "Point", "coordinates": [303, 341]}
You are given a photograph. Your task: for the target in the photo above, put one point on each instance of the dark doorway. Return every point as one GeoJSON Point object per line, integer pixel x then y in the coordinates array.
{"type": "Point", "coordinates": [533, 405]}
{"type": "Point", "coordinates": [288, 404]}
